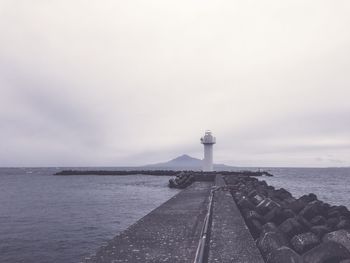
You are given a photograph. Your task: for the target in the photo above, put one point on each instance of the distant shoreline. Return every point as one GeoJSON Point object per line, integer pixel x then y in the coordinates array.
{"type": "Point", "coordinates": [118, 172]}
{"type": "Point", "coordinates": [158, 172]}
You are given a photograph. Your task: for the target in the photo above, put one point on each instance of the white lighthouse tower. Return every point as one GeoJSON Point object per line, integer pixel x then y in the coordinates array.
{"type": "Point", "coordinates": [208, 140]}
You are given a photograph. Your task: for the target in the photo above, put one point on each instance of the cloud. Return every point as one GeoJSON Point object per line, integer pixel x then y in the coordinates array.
{"type": "Point", "coordinates": [132, 82]}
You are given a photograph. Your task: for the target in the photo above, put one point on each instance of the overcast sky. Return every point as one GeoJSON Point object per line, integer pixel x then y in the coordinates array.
{"type": "Point", "coordinates": [134, 82]}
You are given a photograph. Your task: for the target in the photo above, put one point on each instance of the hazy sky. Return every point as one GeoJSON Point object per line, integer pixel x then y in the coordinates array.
{"type": "Point", "coordinates": [133, 82]}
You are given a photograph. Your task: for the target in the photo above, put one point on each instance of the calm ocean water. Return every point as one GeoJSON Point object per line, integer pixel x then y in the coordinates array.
{"type": "Point", "coordinates": [331, 185]}
{"type": "Point", "coordinates": [45, 218]}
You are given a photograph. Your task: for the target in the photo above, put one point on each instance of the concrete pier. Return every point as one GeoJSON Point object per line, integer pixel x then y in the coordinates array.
{"type": "Point", "coordinates": [230, 239]}
{"type": "Point", "coordinates": [171, 232]}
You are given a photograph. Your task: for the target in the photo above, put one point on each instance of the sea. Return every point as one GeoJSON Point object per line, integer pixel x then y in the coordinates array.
{"type": "Point", "coordinates": [46, 218]}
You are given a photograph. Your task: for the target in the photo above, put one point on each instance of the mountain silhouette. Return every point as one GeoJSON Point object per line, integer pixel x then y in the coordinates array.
{"type": "Point", "coordinates": [185, 162]}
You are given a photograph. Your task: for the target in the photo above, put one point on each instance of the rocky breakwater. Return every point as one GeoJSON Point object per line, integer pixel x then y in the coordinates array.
{"type": "Point", "coordinates": [186, 178]}
{"type": "Point", "coordinates": [287, 229]}
{"type": "Point", "coordinates": [181, 180]}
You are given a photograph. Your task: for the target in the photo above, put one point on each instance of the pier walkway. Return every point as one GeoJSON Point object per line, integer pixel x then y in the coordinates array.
{"type": "Point", "coordinates": [230, 239]}
{"type": "Point", "coordinates": [171, 232]}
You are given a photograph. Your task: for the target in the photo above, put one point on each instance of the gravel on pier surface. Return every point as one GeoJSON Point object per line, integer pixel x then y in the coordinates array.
{"type": "Point", "coordinates": [230, 239]}
{"type": "Point", "coordinates": [170, 233]}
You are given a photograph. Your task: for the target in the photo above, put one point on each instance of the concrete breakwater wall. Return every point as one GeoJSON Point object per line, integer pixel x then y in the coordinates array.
{"type": "Point", "coordinates": [170, 233]}
{"type": "Point", "coordinates": [235, 218]}
{"type": "Point", "coordinates": [199, 175]}
{"type": "Point", "coordinates": [118, 172]}
{"type": "Point", "coordinates": [186, 178]}
{"type": "Point", "coordinates": [289, 230]}
{"type": "Point", "coordinates": [174, 231]}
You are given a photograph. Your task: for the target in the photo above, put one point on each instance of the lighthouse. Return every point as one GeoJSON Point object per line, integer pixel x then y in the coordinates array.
{"type": "Point", "coordinates": [208, 140]}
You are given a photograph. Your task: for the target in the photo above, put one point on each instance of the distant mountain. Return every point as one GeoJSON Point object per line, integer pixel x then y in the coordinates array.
{"type": "Point", "coordinates": [186, 162]}
{"type": "Point", "coordinates": [181, 161]}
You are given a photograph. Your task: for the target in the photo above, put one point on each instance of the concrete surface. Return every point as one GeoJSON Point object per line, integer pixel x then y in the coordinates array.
{"type": "Point", "coordinates": [170, 233]}
{"type": "Point", "coordinates": [230, 239]}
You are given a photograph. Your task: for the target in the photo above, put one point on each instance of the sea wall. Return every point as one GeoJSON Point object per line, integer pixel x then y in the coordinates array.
{"type": "Point", "coordinates": [199, 175]}
{"type": "Point", "coordinates": [235, 218]}
{"type": "Point", "coordinates": [186, 178]}
{"type": "Point", "coordinates": [289, 230]}
{"type": "Point", "coordinates": [200, 224]}
{"type": "Point", "coordinates": [118, 172]}
{"type": "Point", "coordinates": [230, 240]}
{"type": "Point", "coordinates": [170, 233]}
